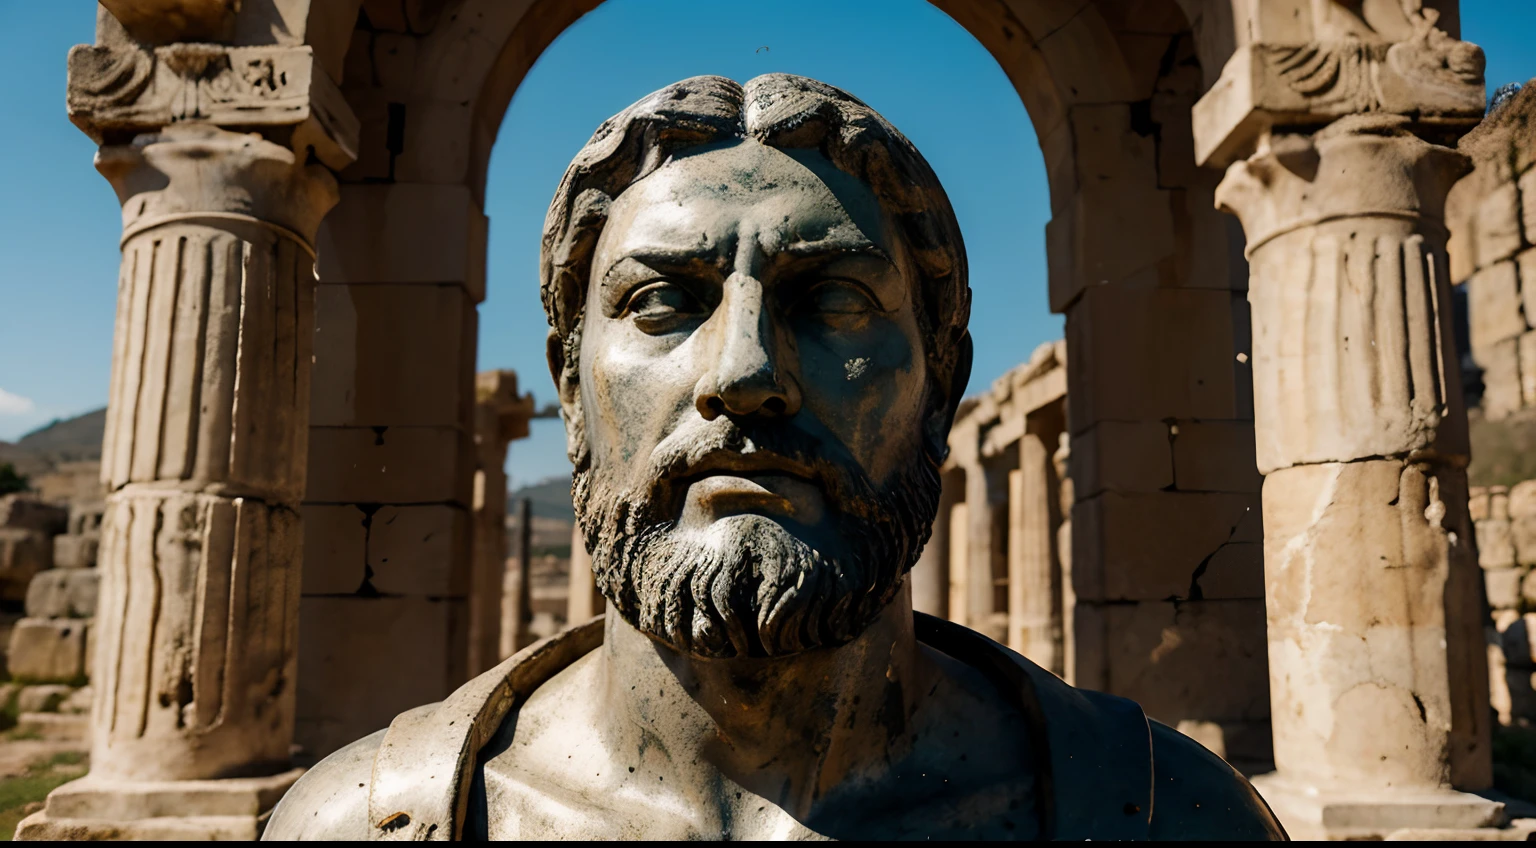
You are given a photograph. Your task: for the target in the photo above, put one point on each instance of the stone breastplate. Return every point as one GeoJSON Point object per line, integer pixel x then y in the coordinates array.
{"type": "Point", "coordinates": [1095, 750]}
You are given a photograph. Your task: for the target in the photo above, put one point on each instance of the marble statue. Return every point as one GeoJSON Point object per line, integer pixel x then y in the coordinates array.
{"type": "Point", "coordinates": [758, 299]}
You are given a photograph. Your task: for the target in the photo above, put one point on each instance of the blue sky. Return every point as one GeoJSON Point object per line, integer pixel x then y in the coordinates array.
{"type": "Point", "coordinates": [59, 220]}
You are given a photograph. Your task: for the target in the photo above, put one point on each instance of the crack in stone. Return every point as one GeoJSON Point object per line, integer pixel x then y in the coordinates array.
{"type": "Point", "coordinates": [1195, 592]}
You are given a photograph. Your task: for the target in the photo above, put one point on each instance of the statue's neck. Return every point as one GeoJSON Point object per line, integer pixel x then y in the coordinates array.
{"type": "Point", "coordinates": [789, 729]}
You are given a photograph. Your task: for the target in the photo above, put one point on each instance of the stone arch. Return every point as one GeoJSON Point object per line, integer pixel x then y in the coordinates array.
{"type": "Point", "coordinates": [1148, 273]}
{"type": "Point", "coordinates": [1332, 118]}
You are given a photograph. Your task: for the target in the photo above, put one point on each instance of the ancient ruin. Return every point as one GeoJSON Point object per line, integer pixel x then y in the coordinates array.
{"type": "Point", "coordinates": [1262, 527]}
{"type": "Point", "coordinates": [501, 416]}
{"type": "Point", "coordinates": [50, 650]}
{"type": "Point", "coordinates": [1000, 519]}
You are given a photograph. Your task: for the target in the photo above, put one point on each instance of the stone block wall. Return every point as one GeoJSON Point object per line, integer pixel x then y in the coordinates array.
{"type": "Point", "coordinates": [1505, 517]}
{"type": "Point", "coordinates": [51, 645]}
{"type": "Point", "coordinates": [27, 530]}
{"type": "Point", "coordinates": [1492, 219]}
{"type": "Point", "coordinates": [48, 652]}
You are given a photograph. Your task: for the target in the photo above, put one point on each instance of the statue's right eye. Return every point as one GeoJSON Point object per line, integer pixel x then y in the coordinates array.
{"type": "Point", "coordinates": [661, 306]}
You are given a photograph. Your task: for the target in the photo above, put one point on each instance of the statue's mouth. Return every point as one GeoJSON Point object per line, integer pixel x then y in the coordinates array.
{"type": "Point", "coordinates": [758, 464]}
{"type": "Point", "coordinates": [725, 483]}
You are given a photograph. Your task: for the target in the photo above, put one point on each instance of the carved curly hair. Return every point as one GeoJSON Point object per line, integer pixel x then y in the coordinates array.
{"type": "Point", "coordinates": [778, 110]}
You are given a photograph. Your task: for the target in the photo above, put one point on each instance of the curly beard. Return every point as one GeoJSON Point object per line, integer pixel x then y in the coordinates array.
{"type": "Point", "coordinates": [747, 586]}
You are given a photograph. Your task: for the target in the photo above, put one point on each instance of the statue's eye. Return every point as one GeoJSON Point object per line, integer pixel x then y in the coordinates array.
{"type": "Point", "coordinates": [660, 306]}
{"type": "Point", "coordinates": [838, 297]}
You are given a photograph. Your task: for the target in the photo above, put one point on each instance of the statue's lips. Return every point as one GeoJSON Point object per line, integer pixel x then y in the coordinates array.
{"type": "Point", "coordinates": [728, 484]}
{"type": "Point", "coordinates": [747, 466]}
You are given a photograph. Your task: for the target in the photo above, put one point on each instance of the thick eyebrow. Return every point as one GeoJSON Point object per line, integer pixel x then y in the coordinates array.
{"type": "Point", "coordinates": [666, 259]}
{"type": "Point", "coordinates": [801, 253]}
{"type": "Point", "coordinates": [681, 259]}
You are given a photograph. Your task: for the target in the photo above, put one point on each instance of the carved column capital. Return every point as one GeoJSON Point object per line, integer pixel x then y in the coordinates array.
{"type": "Point", "coordinates": [116, 93]}
{"type": "Point", "coordinates": [1361, 166]}
{"type": "Point", "coordinates": [1346, 245]}
{"type": "Point", "coordinates": [197, 173]}
{"type": "Point", "coordinates": [1432, 78]}
{"type": "Point", "coordinates": [506, 412]}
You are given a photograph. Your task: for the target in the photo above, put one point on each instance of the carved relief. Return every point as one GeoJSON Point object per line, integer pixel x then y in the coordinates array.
{"type": "Point", "coordinates": [1347, 69]}
{"type": "Point", "coordinates": [1430, 74]}
{"type": "Point", "coordinates": [1333, 75]}
{"type": "Point", "coordinates": [121, 92]}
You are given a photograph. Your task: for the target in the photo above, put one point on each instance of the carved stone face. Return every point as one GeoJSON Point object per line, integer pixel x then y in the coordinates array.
{"type": "Point", "coordinates": [753, 389]}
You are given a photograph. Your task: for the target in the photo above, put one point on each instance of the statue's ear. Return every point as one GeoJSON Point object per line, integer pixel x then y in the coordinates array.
{"type": "Point", "coordinates": [569, 389]}
{"type": "Point", "coordinates": [554, 354]}
{"type": "Point", "coordinates": [943, 415]}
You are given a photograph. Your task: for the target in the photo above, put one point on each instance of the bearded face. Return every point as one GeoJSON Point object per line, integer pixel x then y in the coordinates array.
{"type": "Point", "coordinates": [751, 584]}
{"type": "Point", "coordinates": [749, 421]}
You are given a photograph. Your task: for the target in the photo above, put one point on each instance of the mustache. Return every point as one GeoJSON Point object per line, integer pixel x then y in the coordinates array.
{"type": "Point", "coordinates": [724, 444]}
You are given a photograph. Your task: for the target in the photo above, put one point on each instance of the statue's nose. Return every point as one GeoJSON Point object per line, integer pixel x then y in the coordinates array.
{"type": "Point", "coordinates": [749, 374]}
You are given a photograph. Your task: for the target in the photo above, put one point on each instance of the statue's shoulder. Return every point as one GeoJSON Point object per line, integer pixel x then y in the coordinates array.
{"type": "Point", "coordinates": [1198, 796]}
{"type": "Point", "coordinates": [330, 802]}
{"type": "Point", "coordinates": [1104, 744]}
{"type": "Point", "coordinates": [1114, 773]}
{"type": "Point", "coordinates": [410, 781]}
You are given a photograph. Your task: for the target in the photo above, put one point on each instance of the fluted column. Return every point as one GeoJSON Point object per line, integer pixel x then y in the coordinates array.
{"type": "Point", "coordinates": [1372, 583]}
{"type": "Point", "coordinates": [206, 439]}
{"type": "Point", "coordinates": [1337, 167]}
{"type": "Point", "coordinates": [204, 455]}
{"type": "Point", "coordinates": [1372, 586]}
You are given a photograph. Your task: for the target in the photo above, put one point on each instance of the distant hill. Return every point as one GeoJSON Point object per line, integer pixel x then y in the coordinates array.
{"type": "Point", "coordinates": [69, 438]}
{"type": "Point", "coordinates": [61, 440]}
{"type": "Point", "coordinates": [551, 499]}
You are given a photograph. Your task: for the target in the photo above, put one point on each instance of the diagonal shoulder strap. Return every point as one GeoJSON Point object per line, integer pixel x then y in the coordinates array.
{"type": "Point", "coordinates": [421, 774]}
{"type": "Point", "coordinates": [1094, 750]}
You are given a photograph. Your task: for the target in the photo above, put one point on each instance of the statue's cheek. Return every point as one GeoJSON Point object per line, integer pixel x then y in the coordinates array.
{"type": "Point", "coordinates": [638, 388]}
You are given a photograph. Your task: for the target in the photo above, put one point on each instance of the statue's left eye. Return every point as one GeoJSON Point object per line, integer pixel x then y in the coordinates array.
{"type": "Point", "coordinates": [838, 297]}
{"type": "Point", "coordinates": [658, 306]}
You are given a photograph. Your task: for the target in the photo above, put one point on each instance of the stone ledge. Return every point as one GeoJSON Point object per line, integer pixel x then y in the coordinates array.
{"type": "Point", "coordinates": [1520, 830]}
{"type": "Point", "coordinates": [107, 803]}
{"type": "Point", "coordinates": [1308, 813]}
{"type": "Point", "coordinates": [54, 726]}
{"type": "Point", "coordinates": [39, 826]}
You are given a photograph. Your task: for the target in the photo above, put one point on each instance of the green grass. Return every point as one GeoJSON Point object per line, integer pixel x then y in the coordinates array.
{"type": "Point", "coordinates": [22, 796]}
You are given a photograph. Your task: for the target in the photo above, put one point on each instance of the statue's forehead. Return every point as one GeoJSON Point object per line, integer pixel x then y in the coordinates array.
{"type": "Point", "coordinates": [709, 188]}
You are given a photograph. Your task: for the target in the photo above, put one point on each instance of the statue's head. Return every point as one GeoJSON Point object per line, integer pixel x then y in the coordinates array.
{"type": "Point", "coordinates": [759, 303]}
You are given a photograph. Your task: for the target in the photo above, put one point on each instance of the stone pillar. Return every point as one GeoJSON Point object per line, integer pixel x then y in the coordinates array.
{"type": "Point", "coordinates": [501, 416]}
{"type": "Point", "coordinates": [987, 496]}
{"type": "Point", "coordinates": [1377, 664]}
{"type": "Point", "coordinates": [584, 600]}
{"type": "Point", "coordinates": [959, 562]}
{"type": "Point", "coordinates": [207, 432]}
{"type": "Point", "coordinates": [517, 587]}
{"type": "Point", "coordinates": [1065, 498]}
{"type": "Point", "coordinates": [1031, 563]}
{"type": "Point", "coordinates": [930, 576]}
